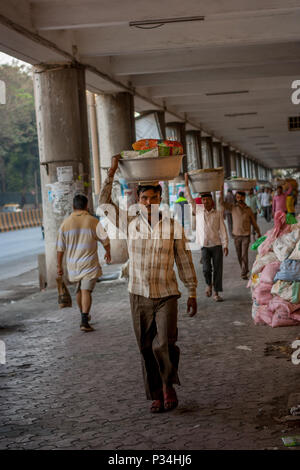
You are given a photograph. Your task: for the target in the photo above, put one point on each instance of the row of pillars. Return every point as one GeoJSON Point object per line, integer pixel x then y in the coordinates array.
{"type": "Point", "coordinates": [63, 133]}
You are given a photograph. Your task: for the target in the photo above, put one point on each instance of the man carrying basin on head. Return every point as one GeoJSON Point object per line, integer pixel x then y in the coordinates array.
{"type": "Point", "coordinates": [242, 219]}
{"type": "Point", "coordinates": [211, 234]}
{"type": "Point", "coordinates": [153, 248]}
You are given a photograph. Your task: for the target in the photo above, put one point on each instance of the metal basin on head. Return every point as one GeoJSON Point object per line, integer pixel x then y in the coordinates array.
{"type": "Point", "coordinates": [150, 168]}
{"type": "Point", "coordinates": [241, 184]}
{"type": "Point", "coordinates": [207, 180]}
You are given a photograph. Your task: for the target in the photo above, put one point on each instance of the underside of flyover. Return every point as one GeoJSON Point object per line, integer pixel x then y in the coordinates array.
{"type": "Point", "coordinates": [228, 71]}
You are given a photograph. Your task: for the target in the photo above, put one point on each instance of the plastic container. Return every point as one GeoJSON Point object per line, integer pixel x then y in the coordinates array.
{"type": "Point", "coordinates": [150, 169]}
{"type": "Point", "coordinates": [241, 184]}
{"type": "Point", "coordinates": [207, 180]}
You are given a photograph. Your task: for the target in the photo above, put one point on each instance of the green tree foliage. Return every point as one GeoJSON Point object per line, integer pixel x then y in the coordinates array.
{"type": "Point", "coordinates": [19, 158]}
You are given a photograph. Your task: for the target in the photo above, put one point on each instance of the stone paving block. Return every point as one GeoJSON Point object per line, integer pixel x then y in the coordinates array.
{"type": "Point", "coordinates": [85, 390]}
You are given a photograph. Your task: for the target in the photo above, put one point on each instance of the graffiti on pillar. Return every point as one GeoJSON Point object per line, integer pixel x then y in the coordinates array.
{"type": "Point", "coordinates": [61, 197]}
{"type": "Point", "coordinates": [62, 192]}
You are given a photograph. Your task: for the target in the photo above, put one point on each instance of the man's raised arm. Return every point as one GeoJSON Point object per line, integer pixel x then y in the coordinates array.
{"type": "Point", "coordinates": [227, 205]}
{"type": "Point", "coordinates": [188, 193]}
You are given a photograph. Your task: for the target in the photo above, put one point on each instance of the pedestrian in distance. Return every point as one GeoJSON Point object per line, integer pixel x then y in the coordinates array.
{"type": "Point", "coordinates": [279, 200]}
{"type": "Point", "coordinates": [179, 212]}
{"type": "Point", "coordinates": [153, 288]}
{"type": "Point", "coordinates": [77, 242]}
{"type": "Point", "coordinates": [212, 236]}
{"type": "Point", "coordinates": [229, 198]}
{"type": "Point", "coordinates": [266, 204]}
{"type": "Point", "coordinates": [254, 203]}
{"type": "Point", "coordinates": [242, 219]}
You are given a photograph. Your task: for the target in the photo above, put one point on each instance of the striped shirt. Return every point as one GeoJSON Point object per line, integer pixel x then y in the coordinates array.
{"type": "Point", "coordinates": [77, 237]}
{"type": "Point", "coordinates": [152, 253]}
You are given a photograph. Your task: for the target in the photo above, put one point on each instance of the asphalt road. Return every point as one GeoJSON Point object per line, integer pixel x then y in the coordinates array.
{"type": "Point", "coordinates": [19, 250]}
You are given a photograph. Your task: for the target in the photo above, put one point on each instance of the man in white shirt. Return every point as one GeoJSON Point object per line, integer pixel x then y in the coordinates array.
{"type": "Point", "coordinates": [266, 204]}
{"type": "Point", "coordinates": [212, 236]}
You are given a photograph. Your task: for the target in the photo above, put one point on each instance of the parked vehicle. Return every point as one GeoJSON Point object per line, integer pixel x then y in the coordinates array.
{"type": "Point", "coordinates": [11, 208]}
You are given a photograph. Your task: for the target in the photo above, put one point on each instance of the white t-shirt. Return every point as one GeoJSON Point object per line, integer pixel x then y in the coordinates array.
{"type": "Point", "coordinates": [266, 199]}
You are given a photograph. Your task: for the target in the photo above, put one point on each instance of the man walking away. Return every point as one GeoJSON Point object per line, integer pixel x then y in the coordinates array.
{"type": "Point", "coordinates": [266, 204]}
{"type": "Point", "coordinates": [153, 288]}
{"type": "Point", "coordinates": [77, 239]}
{"type": "Point", "coordinates": [211, 234]}
{"type": "Point", "coordinates": [242, 218]}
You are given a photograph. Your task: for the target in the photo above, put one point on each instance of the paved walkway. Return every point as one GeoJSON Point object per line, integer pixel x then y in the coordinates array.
{"type": "Point", "coordinates": [65, 389]}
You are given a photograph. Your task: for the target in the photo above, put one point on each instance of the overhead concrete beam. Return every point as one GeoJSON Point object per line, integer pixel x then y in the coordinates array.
{"type": "Point", "coordinates": [234, 73]}
{"type": "Point", "coordinates": [115, 40]}
{"type": "Point", "coordinates": [76, 14]}
{"type": "Point", "coordinates": [213, 86]}
{"type": "Point", "coordinates": [227, 101]}
{"type": "Point", "coordinates": [203, 58]}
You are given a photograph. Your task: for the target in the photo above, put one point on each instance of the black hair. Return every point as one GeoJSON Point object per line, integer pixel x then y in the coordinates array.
{"type": "Point", "coordinates": [280, 187]}
{"type": "Point", "coordinates": [181, 194]}
{"type": "Point", "coordinates": [241, 193]}
{"type": "Point", "coordinates": [142, 189]}
{"type": "Point", "coordinates": [80, 202]}
{"type": "Point", "coordinates": [206, 195]}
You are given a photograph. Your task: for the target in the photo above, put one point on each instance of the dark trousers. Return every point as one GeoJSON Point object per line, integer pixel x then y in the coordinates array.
{"type": "Point", "coordinates": [155, 327]}
{"type": "Point", "coordinates": [241, 247]}
{"type": "Point", "coordinates": [267, 210]}
{"type": "Point", "coordinates": [253, 229]}
{"type": "Point", "coordinates": [229, 222]}
{"type": "Point", "coordinates": [212, 259]}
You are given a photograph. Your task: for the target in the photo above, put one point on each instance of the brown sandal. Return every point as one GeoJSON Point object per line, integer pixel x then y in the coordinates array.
{"type": "Point", "coordinates": [157, 406]}
{"type": "Point", "coordinates": [170, 399]}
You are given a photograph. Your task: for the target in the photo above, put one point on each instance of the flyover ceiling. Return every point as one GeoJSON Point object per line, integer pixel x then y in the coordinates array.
{"type": "Point", "coordinates": [229, 75]}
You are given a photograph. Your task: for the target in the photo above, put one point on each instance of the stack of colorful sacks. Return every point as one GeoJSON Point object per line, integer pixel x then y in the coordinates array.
{"type": "Point", "coordinates": [275, 275]}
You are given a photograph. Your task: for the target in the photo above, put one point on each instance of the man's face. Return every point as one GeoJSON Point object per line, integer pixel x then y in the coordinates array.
{"type": "Point", "coordinates": [239, 198]}
{"type": "Point", "coordinates": [279, 190]}
{"type": "Point", "coordinates": [251, 192]}
{"type": "Point", "coordinates": [149, 197]}
{"type": "Point", "coordinates": [208, 203]}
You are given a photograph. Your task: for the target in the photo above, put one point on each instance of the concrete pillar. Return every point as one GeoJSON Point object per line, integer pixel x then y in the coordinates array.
{"type": "Point", "coordinates": [94, 140]}
{"type": "Point", "coordinates": [226, 161]}
{"type": "Point", "coordinates": [238, 164]}
{"type": "Point", "coordinates": [233, 163]}
{"type": "Point", "coordinates": [61, 111]}
{"type": "Point", "coordinates": [180, 131]}
{"type": "Point", "coordinates": [215, 155]}
{"type": "Point", "coordinates": [256, 171]}
{"type": "Point", "coordinates": [247, 168]}
{"type": "Point", "coordinates": [192, 151]}
{"type": "Point", "coordinates": [200, 156]}
{"type": "Point", "coordinates": [210, 151]}
{"type": "Point", "coordinates": [116, 130]}
{"type": "Point", "coordinates": [219, 148]}
{"type": "Point", "coordinates": [116, 126]}
{"type": "Point", "coordinates": [197, 137]}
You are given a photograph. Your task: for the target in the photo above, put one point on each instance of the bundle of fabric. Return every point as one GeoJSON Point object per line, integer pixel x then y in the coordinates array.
{"type": "Point", "coordinates": [275, 276]}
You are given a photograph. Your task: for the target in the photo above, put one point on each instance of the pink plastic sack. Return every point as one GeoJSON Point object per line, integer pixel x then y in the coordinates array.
{"type": "Point", "coordinates": [280, 228]}
{"type": "Point", "coordinates": [277, 304]}
{"type": "Point", "coordinates": [269, 271]}
{"type": "Point", "coordinates": [262, 293]}
{"type": "Point", "coordinates": [263, 315]}
{"type": "Point", "coordinates": [282, 319]}
{"type": "Point", "coordinates": [296, 315]}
